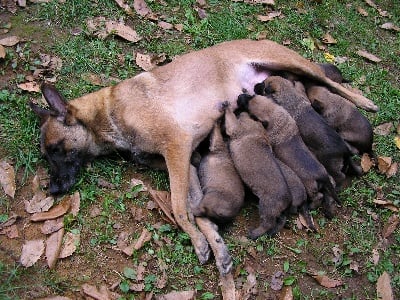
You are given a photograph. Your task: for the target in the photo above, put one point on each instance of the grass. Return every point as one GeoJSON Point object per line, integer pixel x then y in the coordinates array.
{"type": "Point", "coordinates": [356, 230]}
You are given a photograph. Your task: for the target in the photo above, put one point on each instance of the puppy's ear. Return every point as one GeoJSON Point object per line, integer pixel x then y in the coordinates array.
{"type": "Point", "coordinates": [243, 101]}
{"type": "Point", "coordinates": [259, 88]}
{"type": "Point", "coordinates": [317, 105]}
{"type": "Point", "coordinates": [42, 113]}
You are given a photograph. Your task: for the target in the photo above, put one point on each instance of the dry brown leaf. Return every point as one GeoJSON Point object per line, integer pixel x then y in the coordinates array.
{"type": "Point", "coordinates": [2, 52]}
{"type": "Point", "coordinates": [51, 226]}
{"type": "Point", "coordinates": [31, 252]}
{"type": "Point", "coordinates": [143, 10]}
{"type": "Point", "coordinates": [392, 170]}
{"type": "Point", "coordinates": [328, 39]}
{"type": "Point", "coordinates": [268, 2]}
{"type": "Point", "coordinates": [10, 221]}
{"type": "Point", "coordinates": [383, 129]}
{"type": "Point", "coordinates": [149, 62]}
{"type": "Point", "coordinates": [390, 26]}
{"type": "Point", "coordinates": [272, 15]}
{"type": "Point", "coordinates": [249, 288]}
{"type": "Point", "coordinates": [75, 203]}
{"type": "Point", "coordinates": [184, 295]}
{"type": "Point", "coordinates": [144, 237]}
{"type": "Point", "coordinates": [384, 163]}
{"type": "Point", "coordinates": [397, 141]}
{"type": "Point", "coordinates": [179, 27]}
{"type": "Point", "coordinates": [30, 86]}
{"type": "Point", "coordinates": [354, 266]}
{"type": "Point", "coordinates": [135, 182]}
{"type": "Point", "coordinates": [303, 221]}
{"type": "Point", "coordinates": [327, 282]}
{"type": "Point", "coordinates": [369, 56]}
{"type": "Point", "coordinates": [366, 163]}
{"type": "Point", "coordinates": [287, 293]}
{"type": "Point", "coordinates": [137, 287]}
{"type": "Point", "coordinates": [7, 178]}
{"type": "Point", "coordinates": [123, 31]}
{"type": "Point", "coordinates": [50, 62]}
{"type": "Point", "coordinates": [11, 231]}
{"type": "Point", "coordinates": [10, 41]}
{"type": "Point", "coordinates": [371, 3]}
{"type": "Point", "coordinates": [125, 7]}
{"type": "Point", "coordinates": [163, 199]}
{"type": "Point", "coordinates": [391, 225]}
{"type": "Point", "coordinates": [386, 204]}
{"type": "Point", "coordinates": [375, 256]}
{"type": "Point", "coordinates": [70, 244]}
{"type": "Point", "coordinates": [162, 281]}
{"type": "Point", "coordinates": [99, 294]}
{"type": "Point", "coordinates": [362, 11]}
{"type": "Point", "coordinates": [384, 288]}
{"type": "Point", "coordinates": [165, 25]}
{"type": "Point", "coordinates": [39, 203]}
{"type": "Point", "coordinates": [277, 281]}
{"type": "Point", "coordinates": [53, 247]}
{"type": "Point", "coordinates": [93, 79]}
{"type": "Point", "coordinates": [54, 212]}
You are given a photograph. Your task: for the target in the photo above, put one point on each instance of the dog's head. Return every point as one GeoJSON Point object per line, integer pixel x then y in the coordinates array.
{"type": "Point", "coordinates": [65, 142]}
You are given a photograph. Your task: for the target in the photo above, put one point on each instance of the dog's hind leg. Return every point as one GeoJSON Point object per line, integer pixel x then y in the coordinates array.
{"type": "Point", "coordinates": [217, 244]}
{"type": "Point", "coordinates": [177, 157]}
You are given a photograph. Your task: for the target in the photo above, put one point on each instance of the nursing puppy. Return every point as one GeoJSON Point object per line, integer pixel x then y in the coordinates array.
{"type": "Point", "coordinates": [222, 188]}
{"type": "Point", "coordinates": [344, 117]}
{"type": "Point", "coordinates": [288, 146]}
{"type": "Point", "coordinates": [320, 138]}
{"type": "Point", "coordinates": [259, 170]}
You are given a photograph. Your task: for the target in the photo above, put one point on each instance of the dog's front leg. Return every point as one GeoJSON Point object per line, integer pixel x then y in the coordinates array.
{"type": "Point", "coordinates": [177, 158]}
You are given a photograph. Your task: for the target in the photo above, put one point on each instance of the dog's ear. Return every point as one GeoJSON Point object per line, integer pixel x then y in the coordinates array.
{"type": "Point", "coordinates": [55, 100]}
{"type": "Point", "coordinates": [243, 101]}
{"type": "Point", "coordinates": [41, 112]}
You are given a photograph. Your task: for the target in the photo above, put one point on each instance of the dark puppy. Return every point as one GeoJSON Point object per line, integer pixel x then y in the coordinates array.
{"type": "Point", "coordinates": [344, 117]}
{"type": "Point", "coordinates": [220, 183]}
{"type": "Point", "coordinates": [288, 146]}
{"type": "Point", "coordinates": [320, 138]}
{"type": "Point", "coordinates": [259, 169]}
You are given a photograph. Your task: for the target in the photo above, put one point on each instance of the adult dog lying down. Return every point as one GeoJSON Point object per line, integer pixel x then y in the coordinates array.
{"type": "Point", "coordinates": [167, 111]}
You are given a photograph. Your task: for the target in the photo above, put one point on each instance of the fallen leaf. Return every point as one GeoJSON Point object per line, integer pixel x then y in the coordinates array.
{"type": "Point", "coordinates": [51, 226]}
{"type": "Point", "coordinates": [11, 231]}
{"type": "Point", "coordinates": [383, 129]}
{"type": "Point", "coordinates": [329, 57]}
{"type": "Point", "coordinates": [149, 62]}
{"type": "Point", "coordinates": [162, 281]}
{"type": "Point", "coordinates": [184, 295]}
{"type": "Point", "coordinates": [354, 266]}
{"type": "Point", "coordinates": [70, 244]}
{"type": "Point", "coordinates": [30, 86]}
{"type": "Point", "coordinates": [375, 256]}
{"type": "Point", "coordinates": [249, 288]}
{"type": "Point", "coordinates": [386, 204]}
{"type": "Point", "coordinates": [53, 247]}
{"type": "Point", "coordinates": [39, 203]}
{"type": "Point", "coordinates": [268, 2]}
{"type": "Point", "coordinates": [369, 56]}
{"type": "Point", "coordinates": [75, 203]}
{"type": "Point", "coordinates": [50, 62]}
{"type": "Point", "coordinates": [144, 237]}
{"type": "Point", "coordinates": [366, 163]}
{"type": "Point", "coordinates": [287, 293]}
{"type": "Point", "coordinates": [384, 288]}
{"type": "Point", "coordinates": [397, 141]}
{"type": "Point", "coordinates": [7, 178]}
{"type": "Point", "coordinates": [325, 281]}
{"type": "Point", "coordinates": [338, 255]}
{"type": "Point", "coordinates": [94, 212]}
{"type": "Point", "coordinates": [328, 39]}
{"type": "Point", "coordinates": [165, 25]}
{"type": "Point", "coordinates": [99, 294]}
{"type": "Point", "coordinates": [392, 170]}
{"type": "Point", "coordinates": [272, 15]}
{"type": "Point", "coordinates": [390, 226]}
{"type": "Point", "coordinates": [303, 221]}
{"type": "Point", "coordinates": [163, 199]}
{"type": "Point", "coordinates": [10, 221]}
{"type": "Point", "coordinates": [31, 252]}
{"type": "Point", "coordinates": [143, 10]}
{"type": "Point", "coordinates": [390, 26]}
{"type": "Point", "coordinates": [277, 281]}
{"type": "Point", "coordinates": [179, 27]}
{"type": "Point", "coordinates": [384, 163]}
{"type": "Point", "coordinates": [2, 52]}
{"type": "Point", "coordinates": [10, 41]}
{"type": "Point", "coordinates": [201, 13]}
{"type": "Point", "coordinates": [123, 31]}
{"type": "Point", "coordinates": [137, 287]}
{"type": "Point", "coordinates": [54, 212]}
{"type": "Point", "coordinates": [125, 7]}
{"type": "Point", "coordinates": [362, 11]}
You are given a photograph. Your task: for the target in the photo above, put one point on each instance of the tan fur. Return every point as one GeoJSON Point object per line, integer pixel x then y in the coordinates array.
{"type": "Point", "coordinates": [169, 110]}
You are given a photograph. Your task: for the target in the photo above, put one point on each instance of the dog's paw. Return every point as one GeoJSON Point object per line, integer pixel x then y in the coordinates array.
{"type": "Point", "coordinates": [224, 262]}
{"type": "Point", "coordinates": [202, 250]}
{"type": "Point", "coordinates": [222, 106]}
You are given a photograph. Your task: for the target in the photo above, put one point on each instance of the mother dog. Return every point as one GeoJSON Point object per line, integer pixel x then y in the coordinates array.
{"type": "Point", "coordinates": [167, 112]}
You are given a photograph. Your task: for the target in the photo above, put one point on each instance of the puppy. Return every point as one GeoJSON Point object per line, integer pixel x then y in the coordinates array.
{"type": "Point", "coordinates": [320, 138]}
{"type": "Point", "coordinates": [344, 117]}
{"type": "Point", "coordinates": [259, 170]}
{"type": "Point", "coordinates": [288, 146]}
{"type": "Point", "coordinates": [220, 183]}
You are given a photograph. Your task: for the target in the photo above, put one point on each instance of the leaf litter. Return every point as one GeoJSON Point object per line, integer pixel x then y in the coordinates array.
{"type": "Point", "coordinates": [7, 178]}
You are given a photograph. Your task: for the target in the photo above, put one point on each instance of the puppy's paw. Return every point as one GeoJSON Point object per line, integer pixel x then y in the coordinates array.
{"type": "Point", "coordinates": [224, 262]}
{"type": "Point", "coordinates": [202, 250]}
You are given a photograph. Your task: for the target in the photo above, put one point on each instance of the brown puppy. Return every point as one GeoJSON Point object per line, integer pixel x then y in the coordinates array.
{"type": "Point", "coordinates": [220, 183]}
{"type": "Point", "coordinates": [259, 170]}
{"type": "Point", "coordinates": [165, 112]}
{"type": "Point", "coordinates": [344, 117]}
{"type": "Point", "coordinates": [320, 138]}
{"type": "Point", "coordinates": [288, 146]}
